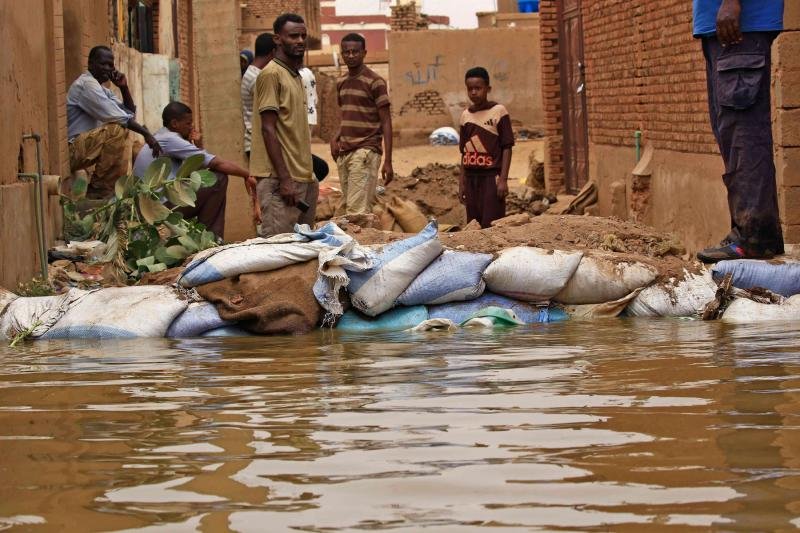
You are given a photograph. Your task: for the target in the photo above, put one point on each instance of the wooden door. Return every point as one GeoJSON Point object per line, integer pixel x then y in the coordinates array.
{"type": "Point", "coordinates": [573, 96]}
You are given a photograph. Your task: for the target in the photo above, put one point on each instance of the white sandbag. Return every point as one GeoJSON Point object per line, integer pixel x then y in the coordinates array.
{"type": "Point", "coordinates": [6, 297]}
{"type": "Point", "coordinates": [254, 255]}
{"type": "Point", "coordinates": [685, 298]}
{"type": "Point", "coordinates": [197, 319]}
{"type": "Point", "coordinates": [601, 279]}
{"type": "Point", "coordinates": [780, 277]}
{"type": "Point", "coordinates": [744, 311]}
{"type": "Point", "coordinates": [37, 314]}
{"type": "Point", "coordinates": [451, 277]}
{"type": "Point", "coordinates": [603, 310]}
{"type": "Point", "coordinates": [395, 266]}
{"type": "Point", "coordinates": [120, 312]}
{"type": "Point", "coordinates": [531, 274]}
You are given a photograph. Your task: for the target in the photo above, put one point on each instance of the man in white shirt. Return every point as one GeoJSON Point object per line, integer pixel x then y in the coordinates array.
{"type": "Point", "coordinates": [98, 123]}
{"type": "Point", "coordinates": [265, 50]}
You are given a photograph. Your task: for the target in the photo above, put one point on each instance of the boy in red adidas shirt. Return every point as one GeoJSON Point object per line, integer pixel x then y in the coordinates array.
{"type": "Point", "coordinates": [486, 141]}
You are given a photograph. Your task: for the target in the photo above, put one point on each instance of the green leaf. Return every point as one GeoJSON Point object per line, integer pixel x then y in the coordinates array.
{"type": "Point", "coordinates": [157, 173]}
{"type": "Point", "coordinates": [124, 186]}
{"type": "Point", "coordinates": [178, 252]}
{"type": "Point", "coordinates": [171, 189]}
{"type": "Point", "coordinates": [158, 267]}
{"type": "Point", "coordinates": [189, 166]}
{"type": "Point", "coordinates": [187, 195]}
{"type": "Point", "coordinates": [175, 217]}
{"type": "Point", "coordinates": [189, 243]}
{"type": "Point", "coordinates": [207, 178]}
{"type": "Point", "coordinates": [208, 240]}
{"type": "Point", "coordinates": [195, 180]}
{"type": "Point", "coordinates": [79, 187]}
{"type": "Point", "coordinates": [146, 261]}
{"type": "Point", "coordinates": [152, 210]}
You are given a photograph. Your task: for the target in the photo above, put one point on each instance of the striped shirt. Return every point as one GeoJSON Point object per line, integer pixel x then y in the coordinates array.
{"type": "Point", "coordinates": [248, 83]}
{"type": "Point", "coordinates": [360, 97]}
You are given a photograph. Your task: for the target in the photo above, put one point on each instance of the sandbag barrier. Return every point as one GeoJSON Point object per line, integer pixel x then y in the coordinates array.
{"type": "Point", "coordinates": [413, 284]}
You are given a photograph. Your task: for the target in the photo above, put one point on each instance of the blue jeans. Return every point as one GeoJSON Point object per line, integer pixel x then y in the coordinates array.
{"type": "Point", "coordinates": [739, 106]}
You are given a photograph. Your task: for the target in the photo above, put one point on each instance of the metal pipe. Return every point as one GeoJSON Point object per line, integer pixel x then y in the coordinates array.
{"type": "Point", "coordinates": [39, 202]}
{"type": "Point", "coordinates": [637, 135]}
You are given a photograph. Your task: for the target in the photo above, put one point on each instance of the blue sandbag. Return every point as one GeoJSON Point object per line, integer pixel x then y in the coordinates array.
{"type": "Point", "coordinates": [780, 278]}
{"type": "Point", "coordinates": [458, 312]}
{"type": "Point", "coordinates": [398, 319]}
{"type": "Point", "coordinates": [198, 318]}
{"type": "Point", "coordinates": [451, 277]}
{"type": "Point", "coordinates": [228, 331]}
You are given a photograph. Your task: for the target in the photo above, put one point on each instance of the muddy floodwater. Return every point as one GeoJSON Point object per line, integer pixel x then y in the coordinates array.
{"type": "Point", "coordinates": [625, 425]}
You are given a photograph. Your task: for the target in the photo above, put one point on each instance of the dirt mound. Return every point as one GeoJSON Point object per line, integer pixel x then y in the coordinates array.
{"type": "Point", "coordinates": [630, 241]}
{"type": "Point", "coordinates": [434, 188]}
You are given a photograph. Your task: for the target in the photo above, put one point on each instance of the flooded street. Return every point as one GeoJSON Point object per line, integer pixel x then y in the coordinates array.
{"type": "Point", "coordinates": [627, 425]}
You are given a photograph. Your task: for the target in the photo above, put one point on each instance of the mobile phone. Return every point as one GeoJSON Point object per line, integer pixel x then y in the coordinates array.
{"type": "Point", "coordinates": [302, 206]}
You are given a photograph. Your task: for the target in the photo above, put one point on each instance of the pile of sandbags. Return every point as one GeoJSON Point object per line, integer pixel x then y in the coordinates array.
{"type": "Point", "coordinates": [296, 282]}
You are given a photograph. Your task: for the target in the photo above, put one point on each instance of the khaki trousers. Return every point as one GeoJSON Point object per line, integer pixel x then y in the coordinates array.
{"type": "Point", "coordinates": [358, 176]}
{"type": "Point", "coordinates": [105, 148]}
{"type": "Point", "coordinates": [276, 216]}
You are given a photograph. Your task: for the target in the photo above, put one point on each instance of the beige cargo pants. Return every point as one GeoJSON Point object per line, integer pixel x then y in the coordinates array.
{"type": "Point", "coordinates": [105, 148]}
{"type": "Point", "coordinates": [358, 175]}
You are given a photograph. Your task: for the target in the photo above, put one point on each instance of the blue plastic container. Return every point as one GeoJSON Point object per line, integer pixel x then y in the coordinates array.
{"type": "Point", "coordinates": [528, 6]}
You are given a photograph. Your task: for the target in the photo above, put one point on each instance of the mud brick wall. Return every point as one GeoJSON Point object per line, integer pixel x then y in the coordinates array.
{"type": "Point", "coordinates": [644, 71]}
{"type": "Point", "coordinates": [407, 17]}
{"type": "Point", "coordinates": [786, 119]}
{"type": "Point", "coordinates": [551, 95]}
{"type": "Point", "coordinates": [427, 102]}
{"type": "Point", "coordinates": [258, 16]}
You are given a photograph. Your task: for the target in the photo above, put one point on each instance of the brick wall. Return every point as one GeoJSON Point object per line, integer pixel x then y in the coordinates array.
{"type": "Point", "coordinates": [644, 71]}
{"type": "Point", "coordinates": [185, 53]}
{"type": "Point", "coordinates": [407, 17]}
{"type": "Point", "coordinates": [258, 16]}
{"type": "Point", "coordinates": [786, 76]}
{"type": "Point", "coordinates": [551, 95]}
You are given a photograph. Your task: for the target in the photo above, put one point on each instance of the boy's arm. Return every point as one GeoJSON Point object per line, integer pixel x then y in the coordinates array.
{"type": "Point", "coordinates": [335, 144]}
{"type": "Point", "coordinates": [502, 179]}
{"type": "Point", "coordinates": [387, 171]}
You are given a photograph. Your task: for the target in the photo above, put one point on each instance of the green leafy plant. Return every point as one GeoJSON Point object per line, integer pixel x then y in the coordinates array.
{"type": "Point", "coordinates": [141, 233]}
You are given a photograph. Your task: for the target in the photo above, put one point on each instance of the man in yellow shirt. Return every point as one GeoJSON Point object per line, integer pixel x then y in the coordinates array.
{"type": "Point", "coordinates": [280, 156]}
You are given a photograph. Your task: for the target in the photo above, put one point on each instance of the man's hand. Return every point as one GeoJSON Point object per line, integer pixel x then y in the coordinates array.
{"type": "Point", "coordinates": [250, 184]}
{"type": "Point", "coordinates": [196, 138]}
{"type": "Point", "coordinates": [502, 187]}
{"type": "Point", "coordinates": [287, 192]}
{"type": "Point", "coordinates": [728, 27]}
{"type": "Point", "coordinates": [153, 144]}
{"type": "Point", "coordinates": [387, 172]}
{"type": "Point", "coordinates": [119, 79]}
{"type": "Point", "coordinates": [335, 149]}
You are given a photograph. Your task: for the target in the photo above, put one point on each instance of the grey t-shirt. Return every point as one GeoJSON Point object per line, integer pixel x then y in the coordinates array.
{"type": "Point", "coordinates": [173, 146]}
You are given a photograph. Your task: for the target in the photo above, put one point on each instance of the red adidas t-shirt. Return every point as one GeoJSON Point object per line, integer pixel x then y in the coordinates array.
{"type": "Point", "coordinates": [484, 136]}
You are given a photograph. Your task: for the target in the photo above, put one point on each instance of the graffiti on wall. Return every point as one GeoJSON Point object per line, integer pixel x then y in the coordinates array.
{"type": "Point", "coordinates": [423, 75]}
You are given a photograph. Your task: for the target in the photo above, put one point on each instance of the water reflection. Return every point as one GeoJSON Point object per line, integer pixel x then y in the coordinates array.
{"type": "Point", "coordinates": [625, 424]}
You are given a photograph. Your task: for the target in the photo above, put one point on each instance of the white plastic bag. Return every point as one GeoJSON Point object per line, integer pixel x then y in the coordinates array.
{"type": "Point", "coordinates": [600, 279]}
{"type": "Point", "coordinates": [531, 274]}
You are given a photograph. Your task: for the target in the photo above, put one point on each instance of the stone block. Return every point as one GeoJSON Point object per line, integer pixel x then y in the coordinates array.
{"type": "Point", "coordinates": [791, 15]}
{"type": "Point", "coordinates": [790, 205]}
{"type": "Point", "coordinates": [791, 233]}
{"type": "Point", "coordinates": [786, 51]}
{"type": "Point", "coordinates": [787, 89]}
{"type": "Point", "coordinates": [787, 165]}
{"type": "Point", "coordinates": [787, 127]}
